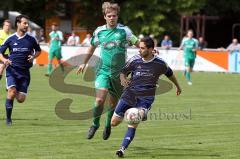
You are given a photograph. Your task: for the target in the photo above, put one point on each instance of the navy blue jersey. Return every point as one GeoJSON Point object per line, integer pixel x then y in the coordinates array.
{"type": "Point", "coordinates": [144, 76]}
{"type": "Point", "coordinates": [20, 48]}
{"type": "Point", "coordinates": [146, 73]}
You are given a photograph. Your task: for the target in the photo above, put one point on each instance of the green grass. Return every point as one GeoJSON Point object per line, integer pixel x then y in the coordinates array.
{"type": "Point", "coordinates": [202, 123]}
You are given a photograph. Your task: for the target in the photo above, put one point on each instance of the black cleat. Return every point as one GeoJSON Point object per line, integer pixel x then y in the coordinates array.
{"type": "Point", "coordinates": [91, 132]}
{"type": "Point", "coordinates": [106, 133]}
{"type": "Point", "coordinates": [47, 75]}
{"type": "Point", "coordinates": [120, 153]}
{"type": "Point", "coordinates": [8, 121]}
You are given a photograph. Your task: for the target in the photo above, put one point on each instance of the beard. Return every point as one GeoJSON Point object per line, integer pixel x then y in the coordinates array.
{"type": "Point", "coordinates": [24, 30]}
{"type": "Point", "coordinates": [144, 54]}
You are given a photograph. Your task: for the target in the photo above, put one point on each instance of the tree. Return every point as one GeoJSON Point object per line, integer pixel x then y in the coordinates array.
{"type": "Point", "coordinates": [157, 16]}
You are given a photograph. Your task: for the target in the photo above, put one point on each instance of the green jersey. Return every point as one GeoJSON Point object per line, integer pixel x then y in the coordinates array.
{"type": "Point", "coordinates": [189, 45]}
{"type": "Point", "coordinates": [113, 45]}
{"type": "Point", "coordinates": [56, 44]}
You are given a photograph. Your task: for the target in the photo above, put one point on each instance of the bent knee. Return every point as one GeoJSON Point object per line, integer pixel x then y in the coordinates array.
{"type": "Point", "coordinates": [115, 120]}
{"type": "Point", "coordinates": [12, 92]}
{"type": "Point", "coordinates": [99, 101]}
{"type": "Point", "coordinates": [113, 123]}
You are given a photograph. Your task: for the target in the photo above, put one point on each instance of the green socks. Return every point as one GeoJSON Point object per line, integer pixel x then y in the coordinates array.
{"type": "Point", "coordinates": [97, 112]}
{"type": "Point", "coordinates": [188, 76]}
{"type": "Point", "coordinates": [49, 69]}
{"type": "Point", "coordinates": [109, 117]}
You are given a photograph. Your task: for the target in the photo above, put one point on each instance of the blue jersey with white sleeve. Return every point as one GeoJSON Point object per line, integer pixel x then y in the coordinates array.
{"type": "Point", "coordinates": [144, 76]}
{"type": "Point", "coordinates": [140, 92]}
{"type": "Point", "coordinates": [20, 48]}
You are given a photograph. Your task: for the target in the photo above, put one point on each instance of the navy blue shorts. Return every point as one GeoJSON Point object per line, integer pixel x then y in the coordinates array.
{"type": "Point", "coordinates": [141, 102]}
{"type": "Point", "coordinates": [18, 78]}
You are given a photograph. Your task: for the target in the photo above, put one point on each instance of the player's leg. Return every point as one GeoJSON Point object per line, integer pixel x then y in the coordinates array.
{"type": "Point", "coordinates": [117, 118]}
{"type": "Point", "coordinates": [11, 93]}
{"type": "Point", "coordinates": [59, 57]}
{"type": "Point", "coordinates": [115, 91]}
{"type": "Point", "coordinates": [101, 95]}
{"type": "Point", "coordinates": [144, 104]}
{"type": "Point", "coordinates": [192, 62]}
{"type": "Point", "coordinates": [129, 136]}
{"type": "Point", "coordinates": [188, 69]}
{"type": "Point", "coordinates": [22, 88]}
{"type": "Point", "coordinates": [9, 104]}
{"type": "Point", "coordinates": [51, 55]}
{"type": "Point", "coordinates": [107, 129]}
{"type": "Point", "coordinates": [2, 67]}
{"type": "Point", "coordinates": [101, 85]}
{"type": "Point", "coordinates": [119, 112]}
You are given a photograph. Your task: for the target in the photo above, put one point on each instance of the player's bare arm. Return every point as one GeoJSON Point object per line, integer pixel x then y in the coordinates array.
{"type": "Point", "coordinates": [124, 80]}
{"type": "Point", "coordinates": [90, 52]}
{"type": "Point", "coordinates": [174, 80]}
{"type": "Point", "coordinates": [4, 60]}
{"type": "Point", "coordinates": [32, 57]}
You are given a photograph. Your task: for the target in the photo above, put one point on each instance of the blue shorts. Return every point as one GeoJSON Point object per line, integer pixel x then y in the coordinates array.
{"type": "Point", "coordinates": [141, 102]}
{"type": "Point", "coordinates": [18, 78]}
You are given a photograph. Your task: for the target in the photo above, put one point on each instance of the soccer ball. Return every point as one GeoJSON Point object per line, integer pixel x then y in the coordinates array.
{"type": "Point", "coordinates": [132, 116]}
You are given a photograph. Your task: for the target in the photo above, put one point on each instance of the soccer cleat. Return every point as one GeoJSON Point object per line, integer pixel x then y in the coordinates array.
{"type": "Point", "coordinates": [120, 153]}
{"type": "Point", "coordinates": [91, 132]}
{"type": "Point", "coordinates": [106, 133]}
{"type": "Point", "coordinates": [189, 83]}
{"type": "Point", "coordinates": [8, 121]}
{"type": "Point", "coordinates": [47, 75]}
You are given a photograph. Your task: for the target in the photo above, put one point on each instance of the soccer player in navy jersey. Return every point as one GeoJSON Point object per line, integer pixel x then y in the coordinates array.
{"type": "Point", "coordinates": [145, 69]}
{"type": "Point", "coordinates": [23, 49]}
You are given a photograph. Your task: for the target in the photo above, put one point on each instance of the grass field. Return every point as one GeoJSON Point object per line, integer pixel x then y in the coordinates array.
{"type": "Point", "coordinates": [202, 123]}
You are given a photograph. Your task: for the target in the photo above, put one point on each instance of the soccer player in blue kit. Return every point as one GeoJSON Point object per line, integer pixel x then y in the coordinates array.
{"type": "Point", "coordinates": [145, 69]}
{"type": "Point", "coordinates": [23, 49]}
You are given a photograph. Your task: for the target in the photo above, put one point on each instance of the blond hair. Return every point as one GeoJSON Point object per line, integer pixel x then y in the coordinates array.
{"type": "Point", "coordinates": [107, 7]}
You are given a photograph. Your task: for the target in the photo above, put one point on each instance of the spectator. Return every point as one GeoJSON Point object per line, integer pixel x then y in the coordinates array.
{"type": "Point", "coordinates": [40, 36]}
{"type": "Point", "coordinates": [87, 40]}
{"type": "Point", "coordinates": [154, 39]}
{"type": "Point", "coordinates": [4, 34]}
{"type": "Point", "coordinates": [73, 40]}
{"type": "Point", "coordinates": [234, 46]}
{"type": "Point", "coordinates": [166, 42]}
{"type": "Point", "coordinates": [202, 44]}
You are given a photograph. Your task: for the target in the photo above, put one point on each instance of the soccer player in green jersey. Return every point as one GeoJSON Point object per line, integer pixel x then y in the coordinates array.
{"type": "Point", "coordinates": [4, 34]}
{"type": "Point", "coordinates": [189, 44]}
{"type": "Point", "coordinates": [113, 39]}
{"type": "Point", "coordinates": [56, 39]}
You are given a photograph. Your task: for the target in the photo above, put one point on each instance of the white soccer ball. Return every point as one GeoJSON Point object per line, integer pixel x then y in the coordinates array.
{"type": "Point", "coordinates": [132, 116]}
